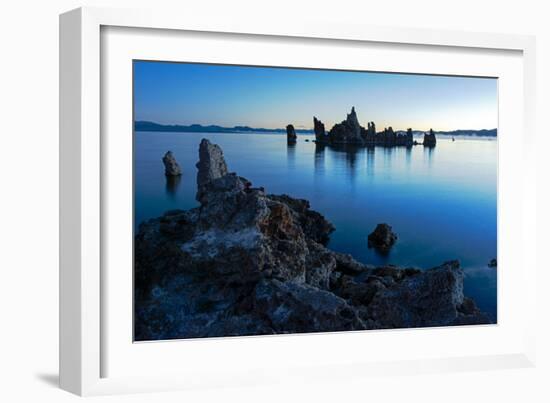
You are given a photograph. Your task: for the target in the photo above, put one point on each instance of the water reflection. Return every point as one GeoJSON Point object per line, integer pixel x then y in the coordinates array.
{"type": "Point", "coordinates": [408, 157]}
{"type": "Point", "coordinates": [387, 152]}
{"type": "Point", "coordinates": [370, 161]}
{"type": "Point", "coordinates": [291, 154]}
{"type": "Point", "coordinates": [319, 159]}
{"type": "Point", "coordinates": [350, 157]}
{"type": "Point", "coordinates": [172, 184]}
{"type": "Point", "coordinates": [428, 154]}
{"type": "Point", "coordinates": [349, 154]}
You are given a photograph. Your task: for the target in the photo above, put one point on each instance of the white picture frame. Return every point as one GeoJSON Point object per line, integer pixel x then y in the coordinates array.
{"type": "Point", "coordinates": [83, 172]}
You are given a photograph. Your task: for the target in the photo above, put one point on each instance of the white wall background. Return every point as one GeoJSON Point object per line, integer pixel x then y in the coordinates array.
{"type": "Point", "coordinates": [29, 200]}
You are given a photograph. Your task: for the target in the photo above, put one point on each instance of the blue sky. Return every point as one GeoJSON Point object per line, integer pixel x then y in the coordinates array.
{"type": "Point", "coordinates": [185, 93]}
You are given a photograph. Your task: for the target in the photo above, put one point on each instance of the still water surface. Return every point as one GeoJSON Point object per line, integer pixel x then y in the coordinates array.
{"type": "Point", "coordinates": [441, 202]}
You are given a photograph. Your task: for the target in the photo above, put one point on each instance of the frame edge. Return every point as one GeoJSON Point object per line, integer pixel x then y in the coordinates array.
{"type": "Point", "coordinates": [70, 91]}
{"type": "Point", "coordinates": [79, 310]}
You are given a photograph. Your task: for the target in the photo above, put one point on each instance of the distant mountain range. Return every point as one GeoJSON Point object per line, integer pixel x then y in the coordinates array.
{"type": "Point", "coordinates": [479, 133]}
{"type": "Point", "coordinates": [145, 126]}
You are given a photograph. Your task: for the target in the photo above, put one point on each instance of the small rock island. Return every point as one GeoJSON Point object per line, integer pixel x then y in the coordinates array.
{"type": "Point", "coordinates": [429, 139]}
{"type": "Point", "coordinates": [382, 238]}
{"type": "Point", "coordinates": [245, 262]}
{"type": "Point", "coordinates": [171, 166]}
{"type": "Point", "coordinates": [291, 136]}
{"type": "Point", "coordinates": [350, 132]}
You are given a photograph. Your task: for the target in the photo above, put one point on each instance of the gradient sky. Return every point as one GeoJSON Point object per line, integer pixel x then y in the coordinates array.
{"type": "Point", "coordinates": [184, 93]}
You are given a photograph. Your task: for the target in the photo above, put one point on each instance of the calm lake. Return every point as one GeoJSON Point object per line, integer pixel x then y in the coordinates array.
{"type": "Point", "coordinates": [441, 202]}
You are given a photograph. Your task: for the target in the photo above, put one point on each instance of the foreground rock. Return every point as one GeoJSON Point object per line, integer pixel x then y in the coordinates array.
{"type": "Point", "coordinates": [382, 238]}
{"type": "Point", "coordinates": [426, 300]}
{"type": "Point", "coordinates": [171, 166]}
{"type": "Point", "coordinates": [246, 262]}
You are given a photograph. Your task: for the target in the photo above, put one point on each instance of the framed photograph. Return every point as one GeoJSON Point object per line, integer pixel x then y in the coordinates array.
{"type": "Point", "coordinates": [240, 198]}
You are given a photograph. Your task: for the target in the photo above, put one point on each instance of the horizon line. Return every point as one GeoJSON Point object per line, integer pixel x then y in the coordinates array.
{"type": "Point", "coordinates": [296, 127]}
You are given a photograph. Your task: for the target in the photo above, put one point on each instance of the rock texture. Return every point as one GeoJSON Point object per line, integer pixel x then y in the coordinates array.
{"type": "Point", "coordinates": [425, 299]}
{"type": "Point", "coordinates": [246, 262]}
{"type": "Point", "coordinates": [382, 238]}
{"type": "Point", "coordinates": [291, 134]}
{"type": "Point", "coordinates": [211, 166]}
{"type": "Point", "coordinates": [171, 166]}
{"type": "Point", "coordinates": [429, 139]}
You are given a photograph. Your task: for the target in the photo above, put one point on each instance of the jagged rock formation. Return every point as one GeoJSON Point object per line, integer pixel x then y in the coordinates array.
{"type": "Point", "coordinates": [171, 166]}
{"type": "Point", "coordinates": [246, 262]}
{"type": "Point", "coordinates": [319, 129]}
{"type": "Point", "coordinates": [429, 139]}
{"type": "Point", "coordinates": [492, 263]}
{"type": "Point", "coordinates": [351, 132]}
{"type": "Point", "coordinates": [353, 123]}
{"type": "Point", "coordinates": [291, 134]}
{"type": "Point", "coordinates": [409, 137]}
{"type": "Point", "coordinates": [387, 138]}
{"type": "Point", "coordinates": [425, 299]}
{"type": "Point", "coordinates": [347, 132]}
{"type": "Point", "coordinates": [369, 134]}
{"type": "Point", "coordinates": [382, 238]}
{"type": "Point", "coordinates": [211, 166]}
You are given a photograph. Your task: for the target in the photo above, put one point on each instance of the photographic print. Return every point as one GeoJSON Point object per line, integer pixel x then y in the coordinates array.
{"type": "Point", "coordinates": [273, 200]}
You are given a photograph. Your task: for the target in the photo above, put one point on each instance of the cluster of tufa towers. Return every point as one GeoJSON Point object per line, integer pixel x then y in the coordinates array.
{"type": "Point", "coordinates": [351, 132]}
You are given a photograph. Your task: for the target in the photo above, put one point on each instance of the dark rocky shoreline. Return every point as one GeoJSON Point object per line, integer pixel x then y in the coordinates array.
{"type": "Point", "coordinates": [246, 262]}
